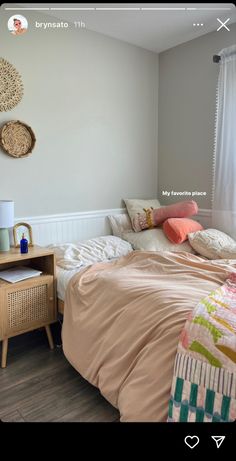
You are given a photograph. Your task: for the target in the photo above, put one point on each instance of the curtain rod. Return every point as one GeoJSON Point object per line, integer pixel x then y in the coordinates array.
{"type": "Point", "coordinates": [216, 58]}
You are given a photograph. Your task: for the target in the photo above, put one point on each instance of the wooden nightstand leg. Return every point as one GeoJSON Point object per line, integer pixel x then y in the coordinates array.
{"type": "Point", "coordinates": [4, 353]}
{"type": "Point", "coordinates": [49, 335]}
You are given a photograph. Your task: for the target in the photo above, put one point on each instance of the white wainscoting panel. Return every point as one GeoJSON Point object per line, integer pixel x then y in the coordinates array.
{"type": "Point", "coordinates": [70, 227]}
{"type": "Point", "coordinates": [74, 227]}
{"type": "Point", "coordinates": [204, 217]}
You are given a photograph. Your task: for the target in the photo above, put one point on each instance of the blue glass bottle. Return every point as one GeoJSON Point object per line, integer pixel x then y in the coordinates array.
{"type": "Point", "coordinates": [24, 244]}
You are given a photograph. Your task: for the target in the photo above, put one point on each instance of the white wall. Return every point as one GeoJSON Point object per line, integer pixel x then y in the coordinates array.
{"type": "Point", "coordinates": [92, 102]}
{"type": "Point", "coordinates": [187, 95]}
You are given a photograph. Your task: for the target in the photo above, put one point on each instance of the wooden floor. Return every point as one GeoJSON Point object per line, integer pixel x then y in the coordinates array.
{"type": "Point", "coordinates": [40, 385]}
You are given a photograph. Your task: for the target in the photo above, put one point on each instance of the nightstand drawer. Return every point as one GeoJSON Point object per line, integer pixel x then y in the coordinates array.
{"type": "Point", "coordinates": [26, 305]}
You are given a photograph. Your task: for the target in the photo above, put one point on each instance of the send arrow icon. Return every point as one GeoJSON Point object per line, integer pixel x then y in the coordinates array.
{"type": "Point", "coordinates": [219, 439]}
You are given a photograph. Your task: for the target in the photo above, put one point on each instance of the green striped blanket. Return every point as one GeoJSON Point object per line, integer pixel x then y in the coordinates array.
{"type": "Point", "coordinates": [204, 380]}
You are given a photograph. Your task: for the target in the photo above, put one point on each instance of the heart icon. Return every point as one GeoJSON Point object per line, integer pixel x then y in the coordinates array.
{"type": "Point", "coordinates": [191, 440]}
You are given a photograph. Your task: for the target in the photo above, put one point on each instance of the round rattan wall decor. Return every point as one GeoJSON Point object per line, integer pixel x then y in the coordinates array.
{"type": "Point", "coordinates": [11, 86]}
{"type": "Point", "coordinates": [17, 139]}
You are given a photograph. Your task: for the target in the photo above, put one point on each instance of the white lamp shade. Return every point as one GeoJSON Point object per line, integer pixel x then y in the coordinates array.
{"type": "Point", "coordinates": [6, 214]}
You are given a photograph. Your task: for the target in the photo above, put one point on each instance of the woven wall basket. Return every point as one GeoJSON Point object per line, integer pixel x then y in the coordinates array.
{"type": "Point", "coordinates": [17, 139]}
{"type": "Point", "coordinates": [11, 86]}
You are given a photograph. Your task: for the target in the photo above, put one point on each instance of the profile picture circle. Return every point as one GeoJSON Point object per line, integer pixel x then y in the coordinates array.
{"type": "Point", "coordinates": [17, 24]}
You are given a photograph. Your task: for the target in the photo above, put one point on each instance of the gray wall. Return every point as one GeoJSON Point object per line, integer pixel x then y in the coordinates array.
{"type": "Point", "coordinates": [92, 102]}
{"type": "Point", "coordinates": [186, 114]}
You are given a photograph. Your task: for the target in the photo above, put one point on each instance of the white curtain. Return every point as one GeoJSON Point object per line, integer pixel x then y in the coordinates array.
{"type": "Point", "coordinates": [224, 177]}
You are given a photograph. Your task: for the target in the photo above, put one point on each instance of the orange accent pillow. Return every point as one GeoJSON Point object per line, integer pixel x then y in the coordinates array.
{"type": "Point", "coordinates": [177, 229]}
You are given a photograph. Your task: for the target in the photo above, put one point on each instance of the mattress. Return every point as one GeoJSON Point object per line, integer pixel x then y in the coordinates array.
{"type": "Point", "coordinates": [63, 278]}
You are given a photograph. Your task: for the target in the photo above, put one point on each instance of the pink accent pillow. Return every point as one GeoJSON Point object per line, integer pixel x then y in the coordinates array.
{"type": "Point", "coordinates": [154, 217]}
{"type": "Point", "coordinates": [177, 229]}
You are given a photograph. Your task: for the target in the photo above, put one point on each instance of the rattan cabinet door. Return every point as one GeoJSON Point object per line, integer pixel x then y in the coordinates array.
{"type": "Point", "coordinates": [28, 305]}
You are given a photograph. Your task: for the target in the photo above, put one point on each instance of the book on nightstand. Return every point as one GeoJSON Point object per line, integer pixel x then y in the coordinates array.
{"type": "Point", "coordinates": [19, 273]}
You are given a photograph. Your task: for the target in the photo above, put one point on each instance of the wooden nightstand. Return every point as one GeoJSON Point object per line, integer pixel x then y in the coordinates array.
{"type": "Point", "coordinates": [31, 303]}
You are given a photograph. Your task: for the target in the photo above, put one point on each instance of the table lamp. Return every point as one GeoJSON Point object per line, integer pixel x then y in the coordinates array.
{"type": "Point", "coordinates": [6, 221]}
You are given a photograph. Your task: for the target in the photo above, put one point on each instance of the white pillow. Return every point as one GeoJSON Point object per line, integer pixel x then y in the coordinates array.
{"type": "Point", "coordinates": [135, 206]}
{"type": "Point", "coordinates": [213, 244]}
{"type": "Point", "coordinates": [154, 240]}
{"type": "Point", "coordinates": [120, 223]}
{"type": "Point", "coordinates": [73, 255]}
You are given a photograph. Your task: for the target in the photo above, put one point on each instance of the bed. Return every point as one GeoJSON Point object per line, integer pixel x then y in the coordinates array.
{"type": "Point", "coordinates": [123, 241]}
{"type": "Point", "coordinates": [123, 319]}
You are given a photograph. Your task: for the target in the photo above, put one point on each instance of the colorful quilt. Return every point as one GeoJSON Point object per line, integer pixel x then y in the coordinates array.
{"type": "Point", "coordinates": [204, 381]}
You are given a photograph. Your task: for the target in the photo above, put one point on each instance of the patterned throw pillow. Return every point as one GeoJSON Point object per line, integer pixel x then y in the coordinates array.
{"type": "Point", "coordinates": [213, 244]}
{"type": "Point", "coordinates": [136, 207]}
